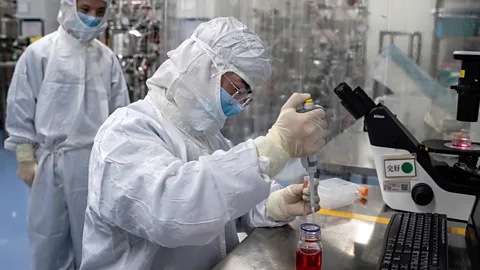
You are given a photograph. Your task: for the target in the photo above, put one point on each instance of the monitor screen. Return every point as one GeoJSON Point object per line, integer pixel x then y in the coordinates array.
{"type": "Point", "coordinates": [31, 28]}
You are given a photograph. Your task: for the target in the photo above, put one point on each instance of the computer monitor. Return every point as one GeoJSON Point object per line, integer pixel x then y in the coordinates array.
{"type": "Point", "coordinates": [31, 28]}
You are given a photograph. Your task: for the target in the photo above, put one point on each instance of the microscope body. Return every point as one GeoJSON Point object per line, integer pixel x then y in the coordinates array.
{"type": "Point", "coordinates": [423, 184]}
{"type": "Point", "coordinates": [431, 186]}
{"type": "Point", "coordinates": [410, 178]}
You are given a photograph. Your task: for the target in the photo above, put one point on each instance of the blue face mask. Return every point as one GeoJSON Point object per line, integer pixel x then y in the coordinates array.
{"type": "Point", "coordinates": [229, 109]}
{"type": "Point", "coordinates": [89, 20]}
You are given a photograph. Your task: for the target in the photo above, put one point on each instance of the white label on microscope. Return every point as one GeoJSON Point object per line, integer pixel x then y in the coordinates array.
{"type": "Point", "coordinates": [396, 186]}
{"type": "Point", "coordinates": [397, 168]}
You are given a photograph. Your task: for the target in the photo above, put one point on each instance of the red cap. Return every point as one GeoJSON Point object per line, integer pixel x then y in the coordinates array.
{"type": "Point", "coordinates": [364, 192]}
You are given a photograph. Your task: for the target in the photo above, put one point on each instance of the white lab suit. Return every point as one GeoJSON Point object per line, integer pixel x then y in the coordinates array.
{"type": "Point", "coordinates": [166, 189]}
{"type": "Point", "coordinates": [61, 93]}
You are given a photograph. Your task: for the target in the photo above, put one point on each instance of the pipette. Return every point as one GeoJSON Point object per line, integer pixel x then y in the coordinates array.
{"type": "Point", "coordinates": [311, 181]}
{"type": "Point", "coordinates": [311, 185]}
{"type": "Point", "coordinates": [310, 163]}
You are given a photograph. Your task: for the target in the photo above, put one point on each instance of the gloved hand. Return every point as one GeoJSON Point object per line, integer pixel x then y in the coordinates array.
{"type": "Point", "coordinates": [293, 134]}
{"type": "Point", "coordinates": [27, 165]}
{"type": "Point", "coordinates": [293, 200]}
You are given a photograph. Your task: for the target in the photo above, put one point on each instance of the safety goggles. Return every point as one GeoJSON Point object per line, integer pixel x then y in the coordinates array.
{"type": "Point", "coordinates": [242, 96]}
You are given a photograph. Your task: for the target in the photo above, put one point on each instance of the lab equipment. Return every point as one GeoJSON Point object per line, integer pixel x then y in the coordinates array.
{"type": "Point", "coordinates": [398, 64]}
{"type": "Point", "coordinates": [140, 34]}
{"type": "Point", "coordinates": [454, 29]}
{"type": "Point", "coordinates": [380, 87]}
{"type": "Point", "coordinates": [399, 157]}
{"type": "Point", "coordinates": [411, 111]}
{"type": "Point", "coordinates": [310, 163]}
{"type": "Point", "coordinates": [313, 46]}
{"type": "Point", "coordinates": [414, 42]}
{"type": "Point", "coordinates": [468, 88]}
{"type": "Point", "coordinates": [11, 50]}
{"type": "Point", "coordinates": [394, 69]}
{"type": "Point", "coordinates": [415, 241]}
{"type": "Point", "coordinates": [37, 18]}
{"type": "Point", "coordinates": [309, 248]}
{"type": "Point", "coordinates": [308, 183]}
{"type": "Point", "coordinates": [8, 23]}
{"type": "Point", "coordinates": [311, 186]}
{"type": "Point", "coordinates": [336, 193]}
{"type": "Point", "coordinates": [461, 140]}
{"type": "Point", "coordinates": [411, 178]}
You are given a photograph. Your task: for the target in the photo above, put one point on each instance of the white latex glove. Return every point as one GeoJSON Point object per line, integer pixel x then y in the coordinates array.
{"type": "Point", "coordinates": [293, 200]}
{"type": "Point", "coordinates": [27, 165]}
{"type": "Point", "coordinates": [293, 134]}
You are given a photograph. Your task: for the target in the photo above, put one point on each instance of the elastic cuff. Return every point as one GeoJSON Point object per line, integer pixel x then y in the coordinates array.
{"type": "Point", "coordinates": [25, 153]}
{"type": "Point", "coordinates": [271, 148]}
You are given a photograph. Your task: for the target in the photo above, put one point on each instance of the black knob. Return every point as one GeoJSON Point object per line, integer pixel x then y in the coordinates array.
{"type": "Point", "coordinates": [422, 194]}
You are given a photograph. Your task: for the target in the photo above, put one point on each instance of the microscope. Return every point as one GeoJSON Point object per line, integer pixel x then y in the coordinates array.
{"type": "Point", "coordinates": [410, 178]}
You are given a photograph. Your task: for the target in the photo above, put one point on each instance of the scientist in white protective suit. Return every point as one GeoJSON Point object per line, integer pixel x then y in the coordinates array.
{"type": "Point", "coordinates": [64, 87]}
{"type": "Point", "coordinates": [166, 189]}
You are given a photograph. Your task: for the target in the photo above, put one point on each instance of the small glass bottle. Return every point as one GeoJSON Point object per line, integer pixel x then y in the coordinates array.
{"type": "Point", "coordinates": [309, 249]}
{"type": "Point", "coordinates": [462, 141]}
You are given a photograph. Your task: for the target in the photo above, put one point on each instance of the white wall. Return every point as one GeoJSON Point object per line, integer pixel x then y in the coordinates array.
{"type": "Point", "coordinates": [401, 15]}
{"type": "Point", "coordinates": [195, 9]}
{"type": "Point", "coordinates": [47, 10]}
{"type": "Point", "coordinates": [210, 9]}
{"type": "Point", "coordinates": [205, 9]}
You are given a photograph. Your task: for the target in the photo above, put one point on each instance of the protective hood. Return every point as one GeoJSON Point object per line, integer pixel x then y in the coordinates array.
{"type": "Point", "coordinates": [69, 20]}
{"type": "Point", "coordinates": [190, 79]}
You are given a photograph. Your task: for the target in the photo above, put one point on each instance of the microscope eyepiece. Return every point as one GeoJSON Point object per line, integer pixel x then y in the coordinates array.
{"type": "Point", "coordinates": [357, 103]}
{"type": "Point", "coordinates": [341, 89]}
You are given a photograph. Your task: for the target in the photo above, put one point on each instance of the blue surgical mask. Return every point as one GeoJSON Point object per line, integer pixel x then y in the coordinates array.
{"type": "Point", "coordinates": [79, 28]}
{"type": "Point", "coordinates": [89, 20]}
{"type": "Point", "coordinates": [229, 109]}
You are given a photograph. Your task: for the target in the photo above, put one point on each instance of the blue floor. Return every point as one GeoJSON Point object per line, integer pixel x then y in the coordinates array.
{"type": "Point", "coordinates": [14, 252]}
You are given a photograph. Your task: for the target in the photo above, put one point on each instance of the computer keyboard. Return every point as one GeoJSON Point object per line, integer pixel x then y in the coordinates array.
{"type": "Point", "coordinates": [415, 242]}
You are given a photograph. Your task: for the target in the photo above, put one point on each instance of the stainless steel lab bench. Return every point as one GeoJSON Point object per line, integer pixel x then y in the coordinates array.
{"type": "Point", "coordinates": [350, 241]}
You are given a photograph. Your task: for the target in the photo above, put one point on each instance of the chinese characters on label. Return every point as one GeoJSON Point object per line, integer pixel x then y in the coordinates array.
{"type": "Point", "coordinates": [400, 168]}
{"type": "Point", "coordinates": [393, 168]}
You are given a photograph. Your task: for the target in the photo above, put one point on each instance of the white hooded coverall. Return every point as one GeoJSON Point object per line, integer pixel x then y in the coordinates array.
{"type": "Point", "coordinates": [61, 93]}
{"type": "Point", "coordinates": [166, 189]}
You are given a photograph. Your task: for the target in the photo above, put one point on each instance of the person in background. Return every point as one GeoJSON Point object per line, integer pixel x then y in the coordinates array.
{"type": "Point", "coordinates": [64, 87]}
{"type": "Point", "coordinates": [166, 189]}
